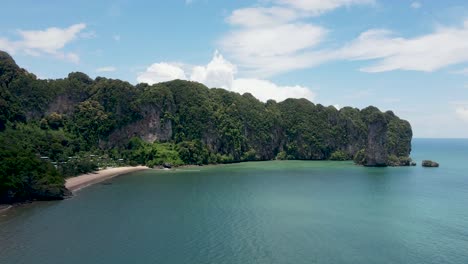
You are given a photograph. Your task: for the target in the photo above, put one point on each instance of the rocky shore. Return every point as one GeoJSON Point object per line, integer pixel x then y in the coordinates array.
{"type": "Point", "coordinates": [430, 164]}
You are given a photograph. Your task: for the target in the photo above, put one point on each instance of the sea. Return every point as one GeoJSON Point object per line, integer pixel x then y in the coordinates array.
{"type": "Point", "coordinates": [257, 212]}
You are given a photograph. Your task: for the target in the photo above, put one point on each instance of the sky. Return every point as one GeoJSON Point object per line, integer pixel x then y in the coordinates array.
{"type": "Point", "coordinates": [410, 57]}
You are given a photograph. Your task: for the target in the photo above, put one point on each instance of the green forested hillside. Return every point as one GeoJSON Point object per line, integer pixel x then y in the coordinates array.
{"type": "Point", "coordinates": [51, 129]}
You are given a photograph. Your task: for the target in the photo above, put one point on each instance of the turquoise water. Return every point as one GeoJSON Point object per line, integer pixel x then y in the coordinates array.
{"type": "Point", "coordinates": [261, 212]}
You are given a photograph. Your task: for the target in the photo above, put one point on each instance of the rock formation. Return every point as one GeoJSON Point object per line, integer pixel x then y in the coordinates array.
{"type": "Point", "coordinates": [430, 164]}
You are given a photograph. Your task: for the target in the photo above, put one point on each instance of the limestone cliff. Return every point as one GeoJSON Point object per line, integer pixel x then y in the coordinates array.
{"type": "Point", "coordinates": [376, 149]}
{"type": "Point", "coordinates": [107, 113]}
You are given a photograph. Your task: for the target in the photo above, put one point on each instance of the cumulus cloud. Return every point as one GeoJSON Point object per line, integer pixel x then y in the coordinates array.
{"type": "Point", "coordinates": [106, 69]}
{"type": "Point", "coordinates": [221, 73]}
{"type": "Point", "coordinates": [265, 90]}
{"type": "Point", "coordinates": [50, 41]}
{"type": "Point", "coordinates": [218, 73]}
{"type": "Point", "coordinates": [161, 72]}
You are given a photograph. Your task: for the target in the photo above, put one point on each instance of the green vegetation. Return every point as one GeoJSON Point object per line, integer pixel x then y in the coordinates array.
{"type": "Point", "coordinates": [399, 161]}
{"type": "Point", "coordinates": [65, 127]}
{"type": "Point", "coordinates": [360, 157]}
{"type": "Point", "coordinates": [23, 175]}
{"type": "Point", "coordinates": [152, 155]}
{"type": "Point", "coordinates": [339, 156]}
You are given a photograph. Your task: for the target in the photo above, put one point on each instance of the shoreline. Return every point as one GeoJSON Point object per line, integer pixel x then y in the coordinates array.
{"type": "Point", "coordinates": [79, 182]}
{"type": "Point", "coordinates": [3, 208]}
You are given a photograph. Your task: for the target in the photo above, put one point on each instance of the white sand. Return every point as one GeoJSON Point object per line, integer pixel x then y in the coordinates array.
{"type": "Point", "coordinates": [76, 183]}
{"type": "Point", "coordinates": [4, 207]}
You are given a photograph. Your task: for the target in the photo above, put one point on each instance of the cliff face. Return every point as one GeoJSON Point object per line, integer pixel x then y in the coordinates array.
{"type": "Point", "coordinates": [376, 149]}
{"type": "Point", "coordinates": [232, 124]}
{"type": "Point", "coordinates": [236, 126]}
{"type": "Point", "coordinates": [151, 127]}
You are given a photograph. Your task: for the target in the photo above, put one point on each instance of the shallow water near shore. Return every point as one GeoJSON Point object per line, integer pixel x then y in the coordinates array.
{"type": "Point", "coordinates": [257, 212]}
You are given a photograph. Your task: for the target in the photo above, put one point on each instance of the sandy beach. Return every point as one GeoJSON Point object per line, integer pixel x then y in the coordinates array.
{"type": "Point", "coordinates": [79, 182]}
{"type": "Point", "coordinates": [4, 207]}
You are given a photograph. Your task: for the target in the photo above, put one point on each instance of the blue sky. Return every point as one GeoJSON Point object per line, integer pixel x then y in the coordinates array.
{"type": "Point", "coordinates": [407, 56]}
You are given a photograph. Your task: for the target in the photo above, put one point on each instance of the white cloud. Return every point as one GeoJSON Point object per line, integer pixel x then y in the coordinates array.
{"type": "Point", "coordinates": [266, 48]}
{"type": "Point", "coordinates": [7, 45]}
{"type": "Point", "coordinates": [284, 11]}
{"type": "Point", "coordinates": [446, 46]}
{"type": "Point", "coordinates": [264, 90]}
{"type": "Point", "coordinates": [462, 112]}
{"type": "Point", "coordinates": [106, 69]}
{"type": "Point", "coordinates": [461, 109]}
{"type": "Point", "coordinates": [274, 38]}
{"type": "Point", "coordinates": [188, 2]}
{"type": "Point", "coordinates": [161, 72]}
{"type": "Point", "coordinates": [272, 49]}
{"type": "Point", "coordinates": [271, 39]}
{"type": "Point", "coordinates": [50, 41]}
{"type": "Point", "coordinates": [416, 5]}
{"type": "Point", "coordinates": [116, 37]}
{"type": "Point", "coordinates": [221, 73]}
{"type": "Point", "coordinates": [218, 73]}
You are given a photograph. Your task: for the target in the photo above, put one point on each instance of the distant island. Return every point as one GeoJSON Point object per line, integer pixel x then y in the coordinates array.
{"type": "Point", "coordinates": [52, 129]}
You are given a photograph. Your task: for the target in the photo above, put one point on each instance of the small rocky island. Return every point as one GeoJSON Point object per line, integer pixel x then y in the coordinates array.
{"type": "Point", "coordinates": [430, 164]}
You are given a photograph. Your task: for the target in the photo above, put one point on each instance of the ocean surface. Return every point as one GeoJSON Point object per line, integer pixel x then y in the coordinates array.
{"type": "Point", "coordinates": [258, 212]}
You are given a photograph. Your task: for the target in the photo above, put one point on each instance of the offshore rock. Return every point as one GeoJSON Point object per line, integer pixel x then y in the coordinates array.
{"type": "Point", "coordinates": [430, 164]}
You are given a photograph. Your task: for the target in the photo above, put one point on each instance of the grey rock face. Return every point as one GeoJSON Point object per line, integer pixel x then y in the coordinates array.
{"type": "Point", "coordinates": [376, 151]}
{"type": "Point", "coordinates": [150, 128]}
{"type": "Point", "coordinates": [430, 164]}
